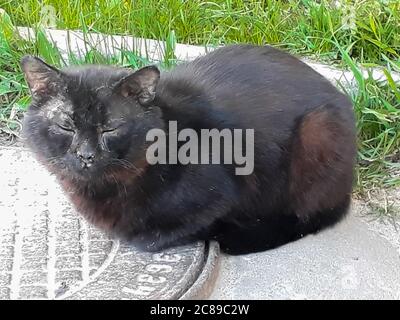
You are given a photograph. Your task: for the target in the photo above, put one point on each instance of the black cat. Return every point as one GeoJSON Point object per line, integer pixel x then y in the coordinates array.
{"type": "Point", "coordinates": [88, 126]}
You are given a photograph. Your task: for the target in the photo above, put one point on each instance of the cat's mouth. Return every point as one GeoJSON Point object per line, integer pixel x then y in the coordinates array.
{"type": "Point", "coordinates": [86, 165]}
{"type": "Point", "coordinates": [82, 171]}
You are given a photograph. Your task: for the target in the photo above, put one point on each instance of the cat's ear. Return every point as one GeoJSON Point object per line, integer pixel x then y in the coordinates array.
{"type": "Point", "coordinates": [141, 84]}
{"type": "Point", "coordinates": [42, 78]}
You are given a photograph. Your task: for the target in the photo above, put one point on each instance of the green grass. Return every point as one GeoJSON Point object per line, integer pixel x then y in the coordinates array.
{"type": "Point", "coordinates": [303, 26]}
{"type": "Point", "coordinates": [313, 28]}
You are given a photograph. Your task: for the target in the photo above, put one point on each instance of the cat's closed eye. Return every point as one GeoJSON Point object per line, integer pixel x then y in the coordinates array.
{"type": "Point", "coordinates": [108, 130]}
{"type": "Point", "coordinates": [65, 127]}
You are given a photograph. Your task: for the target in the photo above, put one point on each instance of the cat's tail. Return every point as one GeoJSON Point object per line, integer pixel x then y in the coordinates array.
{"type": "Point", "coordinates": [275, 230]}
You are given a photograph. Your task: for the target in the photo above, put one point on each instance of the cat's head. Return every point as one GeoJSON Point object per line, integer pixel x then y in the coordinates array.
{"type": "Point", "coordinates": [90, 123]}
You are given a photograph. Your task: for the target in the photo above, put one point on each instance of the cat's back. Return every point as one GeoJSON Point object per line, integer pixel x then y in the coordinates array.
{"type": "Point", "coordinates": [261, 85]}
{"type": "Point", "coordinates": [250, 68]}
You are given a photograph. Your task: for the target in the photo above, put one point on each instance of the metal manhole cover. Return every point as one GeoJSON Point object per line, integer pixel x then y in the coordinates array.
{"type": "Point", "coordinates": [47, 251]}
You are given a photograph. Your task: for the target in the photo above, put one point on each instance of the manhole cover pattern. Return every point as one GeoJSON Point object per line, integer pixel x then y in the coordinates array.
{"type": "Point", "coordinates": [48, 252]}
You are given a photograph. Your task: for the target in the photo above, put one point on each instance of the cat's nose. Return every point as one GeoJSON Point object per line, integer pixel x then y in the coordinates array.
{"type": "Point", "coordinates": [86, 156]}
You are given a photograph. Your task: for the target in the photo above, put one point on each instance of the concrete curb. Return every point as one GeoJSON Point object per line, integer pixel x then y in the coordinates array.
{"type": "Point", "coordinates": [74, 41]}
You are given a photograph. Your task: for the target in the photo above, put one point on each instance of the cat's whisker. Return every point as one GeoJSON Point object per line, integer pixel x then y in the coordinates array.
{"type": "Point", "coordinates": [125, 164]}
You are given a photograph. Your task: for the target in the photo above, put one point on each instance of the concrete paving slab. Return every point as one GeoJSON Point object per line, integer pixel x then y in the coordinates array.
{"type": "Point", "coordinates": [47, 251]}
{"type": "Point", "coordinates": [357, 259]}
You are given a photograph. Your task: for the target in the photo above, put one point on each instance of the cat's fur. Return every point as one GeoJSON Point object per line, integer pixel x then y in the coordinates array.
{"type": "Point", "coordinates": [304, 147]}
